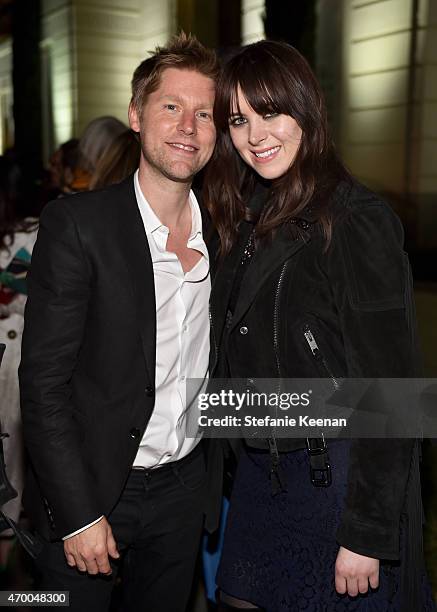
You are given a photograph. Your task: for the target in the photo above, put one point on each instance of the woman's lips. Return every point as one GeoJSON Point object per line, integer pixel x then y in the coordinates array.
{"type": "Point", "coordinates": [266, 155]}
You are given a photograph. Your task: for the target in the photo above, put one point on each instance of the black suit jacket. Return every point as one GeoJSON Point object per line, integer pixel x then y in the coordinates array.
{"type": "Point", "coordinates": [88, 357]}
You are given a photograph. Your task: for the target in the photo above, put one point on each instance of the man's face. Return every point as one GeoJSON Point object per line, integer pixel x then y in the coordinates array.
{"type": "Point", "coordinates": [176, 125]}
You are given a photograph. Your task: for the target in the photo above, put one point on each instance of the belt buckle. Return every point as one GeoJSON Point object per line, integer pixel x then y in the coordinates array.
{"type": "Point", "coordinates": [320, 468]}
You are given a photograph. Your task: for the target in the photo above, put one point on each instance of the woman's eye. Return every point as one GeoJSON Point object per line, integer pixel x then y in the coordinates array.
{"type": "Point", "coordinates": [236, 121]}
{"type": "Point", "coordinates": [270, 115]}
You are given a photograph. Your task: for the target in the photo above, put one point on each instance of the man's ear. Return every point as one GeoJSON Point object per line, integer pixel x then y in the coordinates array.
{"type": "Point", "coordinates": [134, 120]}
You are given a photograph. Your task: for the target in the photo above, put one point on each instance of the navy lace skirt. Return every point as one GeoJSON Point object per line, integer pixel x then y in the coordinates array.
{"type": "Point", "coordinates": [279, 551]}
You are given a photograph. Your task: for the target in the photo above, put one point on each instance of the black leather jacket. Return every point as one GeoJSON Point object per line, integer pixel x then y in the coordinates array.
{"type": "Point", "coordinates": [356, 300]}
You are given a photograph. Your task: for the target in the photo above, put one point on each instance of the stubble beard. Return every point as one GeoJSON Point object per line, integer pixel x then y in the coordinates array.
{"type": "Point", "coordinates": [161, 164]}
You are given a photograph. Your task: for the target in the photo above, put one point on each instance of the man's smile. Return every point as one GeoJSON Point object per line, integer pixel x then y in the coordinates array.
{"type": "Point", "coordinates": [183, 147]}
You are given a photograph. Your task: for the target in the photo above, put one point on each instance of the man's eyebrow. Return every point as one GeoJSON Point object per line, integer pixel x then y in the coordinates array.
{"type": "Point", "coordinates": [176, 98]}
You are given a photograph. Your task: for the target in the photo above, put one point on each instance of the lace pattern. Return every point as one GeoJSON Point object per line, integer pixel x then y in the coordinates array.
{"type": "Point", "coordinates": [280, 551]}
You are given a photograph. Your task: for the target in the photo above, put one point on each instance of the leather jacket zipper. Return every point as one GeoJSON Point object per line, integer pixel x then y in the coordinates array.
{"type": "Point", "coordinates": [276, 319]}
{"type": "Point", "coordinates": [318, 355]}
{"type": "Point", "coordinates": [277, 480]}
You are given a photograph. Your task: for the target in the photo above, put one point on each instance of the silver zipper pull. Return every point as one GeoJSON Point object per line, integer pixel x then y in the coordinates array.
{"type": "Point", "coordinates": [311, 341]}
{"type": "Point", "coordinates": [318, 355]}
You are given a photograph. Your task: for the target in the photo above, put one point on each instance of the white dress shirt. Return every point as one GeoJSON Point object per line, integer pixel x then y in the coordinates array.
{"type": "Point", "coordinates": [182, 338]}
{"type": "Point", "coordinates": [182, 335]}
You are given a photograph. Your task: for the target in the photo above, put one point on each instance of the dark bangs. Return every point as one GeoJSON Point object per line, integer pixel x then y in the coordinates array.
{"type": "Point", "coordinates": [264, 79]}
{"type": "Point", "coordinates": [259, 97]}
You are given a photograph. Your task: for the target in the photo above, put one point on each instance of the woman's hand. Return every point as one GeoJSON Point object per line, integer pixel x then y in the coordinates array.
{"type": "Point", "coordinates": [354, 573]}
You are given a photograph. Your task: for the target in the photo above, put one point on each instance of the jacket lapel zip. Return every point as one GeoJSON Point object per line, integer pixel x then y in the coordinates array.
{"type": "Point", "coordinates": [277, 480]}
{"type": "Point", "coordinates": [276, 319]}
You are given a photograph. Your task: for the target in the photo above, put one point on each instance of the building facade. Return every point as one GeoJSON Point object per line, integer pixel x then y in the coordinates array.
{"type": "Point", "coordinates": [376, 59]}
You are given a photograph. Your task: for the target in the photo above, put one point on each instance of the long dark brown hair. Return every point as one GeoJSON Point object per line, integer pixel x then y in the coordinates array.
{"type": "Point", "coordinates": [273, 77]}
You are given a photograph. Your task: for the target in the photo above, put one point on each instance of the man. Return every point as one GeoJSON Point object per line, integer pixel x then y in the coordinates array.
{"type": "Point", "coordinates": [117, 319]}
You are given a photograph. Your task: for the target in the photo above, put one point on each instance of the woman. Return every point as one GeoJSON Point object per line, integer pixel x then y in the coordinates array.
{"type": "Point", "coordinates": [120, 159]}
{"type": "Point", "coordinates": [312, 282]}
{"type": "Point", "coordinates": [17, 238]}
{"type": "Point", "coordinates": [97, 137]}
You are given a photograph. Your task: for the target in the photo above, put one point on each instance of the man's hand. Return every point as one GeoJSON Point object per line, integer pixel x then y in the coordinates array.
{"type": "Point", "coordinates": [354, 573]}
{"type": "Point", "coordinates": [89, 549]}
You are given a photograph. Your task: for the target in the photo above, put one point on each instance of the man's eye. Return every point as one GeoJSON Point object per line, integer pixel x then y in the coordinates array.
{"type": "Point", "coordinates": [204, 115]}
{"type": "Point", "coordinates": [170, 107]}
{"type": "Point", "coordinates": [236, 121]}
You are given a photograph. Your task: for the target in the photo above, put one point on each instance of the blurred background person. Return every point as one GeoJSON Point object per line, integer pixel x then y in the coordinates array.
{"type": "Point", "coordinates": [17, 237]}
{"type": "Point", "coordinates": [120, 159]}
{"type": "Point", "coordinates": [97, 137]}
{"type": "Point", "coordinates": [62, 168]}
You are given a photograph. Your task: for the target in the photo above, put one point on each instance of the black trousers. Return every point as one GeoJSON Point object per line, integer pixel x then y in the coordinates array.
{"type": "Point", "coordinates": [157, 525]}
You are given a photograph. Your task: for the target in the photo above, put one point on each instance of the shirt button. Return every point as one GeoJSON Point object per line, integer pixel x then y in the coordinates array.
{"type": "Point", "coordinates": [182, 378]}
{"type": "Point", "coordinates": [185, 328]}
{"type": "Point", "coordinates": [12, 334]}
{"type": "Point", "coordinates": [135, 433]}
{"type": "Point", "coordinates": [243, 330]}
{"type": "Point", "coordinates": [149, 391]}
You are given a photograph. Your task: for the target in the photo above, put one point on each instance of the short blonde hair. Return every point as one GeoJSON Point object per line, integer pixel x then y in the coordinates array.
{"type": "Point", "coordinates": [183, 51]}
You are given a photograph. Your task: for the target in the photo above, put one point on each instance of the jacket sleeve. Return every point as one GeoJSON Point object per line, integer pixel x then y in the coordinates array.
{"type": "Point", "coordinates": [55, 316]}
{"type": "Point", "coordinates": [373, 294]}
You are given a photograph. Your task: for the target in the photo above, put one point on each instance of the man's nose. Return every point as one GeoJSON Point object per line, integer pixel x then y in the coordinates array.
{"type": "Point", "coordinates": [257, 132]}
{"type": "Point", "coordinates": [187, 123]}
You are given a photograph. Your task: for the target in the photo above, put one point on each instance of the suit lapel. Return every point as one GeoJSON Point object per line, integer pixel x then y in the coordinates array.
{"type": "Point", "coordinates": [134, 247]}
{"type": "Point", "coordinates": [210, 236]}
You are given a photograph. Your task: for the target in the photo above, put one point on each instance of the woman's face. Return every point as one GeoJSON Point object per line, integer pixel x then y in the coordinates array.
{"type": "Point", "coordinates": [267, 143]}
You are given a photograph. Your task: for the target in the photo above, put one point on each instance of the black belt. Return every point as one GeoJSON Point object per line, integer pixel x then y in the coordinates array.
{"type": "Point", "coordinates": [197, 450]}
